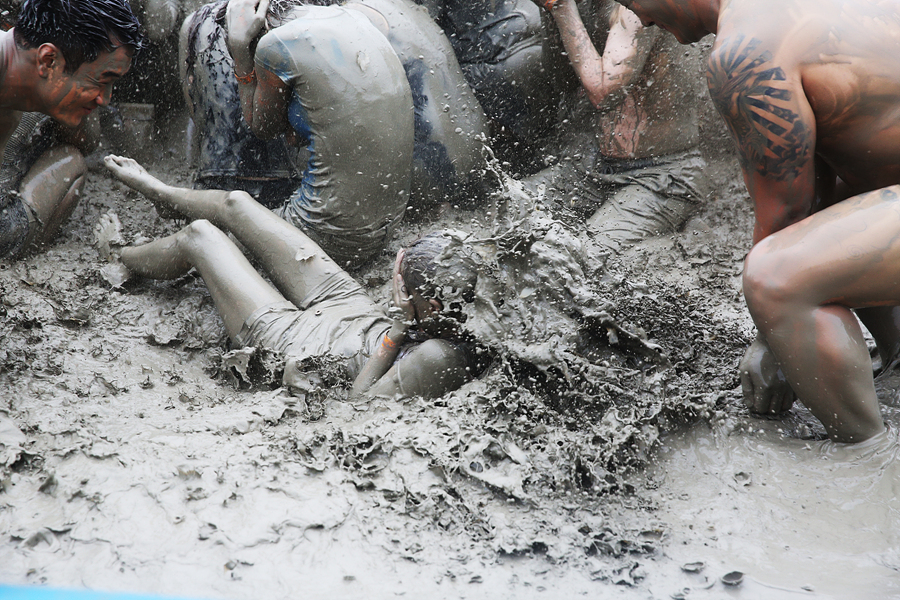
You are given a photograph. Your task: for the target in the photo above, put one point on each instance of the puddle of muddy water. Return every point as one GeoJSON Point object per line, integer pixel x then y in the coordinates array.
{"type": "Point", "coordinates": [799, 518]}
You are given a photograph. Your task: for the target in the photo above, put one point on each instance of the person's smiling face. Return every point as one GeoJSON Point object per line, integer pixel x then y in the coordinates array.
{"type": "Point", "coordinates": [72, 96]}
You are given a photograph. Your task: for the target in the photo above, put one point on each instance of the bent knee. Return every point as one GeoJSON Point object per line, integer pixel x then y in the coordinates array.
{"type": "Point", "coordinates": [770, 282]}
{"type": "Point", "coordinates": [201, 232]}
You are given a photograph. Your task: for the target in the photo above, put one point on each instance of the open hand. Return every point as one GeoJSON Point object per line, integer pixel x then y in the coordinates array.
{"type": "Point", "coordinates": [765, 388]}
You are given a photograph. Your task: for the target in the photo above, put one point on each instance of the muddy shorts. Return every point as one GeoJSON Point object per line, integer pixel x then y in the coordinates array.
{"type": "Point", "coordinates": [19, 224]}
{"type": "Point", "coordinates": [624, 200]}
{"type": "Point", "coordinates": [338, 319]}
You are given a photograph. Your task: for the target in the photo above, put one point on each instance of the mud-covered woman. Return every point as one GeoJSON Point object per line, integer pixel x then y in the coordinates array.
{"type": "Point", "coordinates": [315, 309]}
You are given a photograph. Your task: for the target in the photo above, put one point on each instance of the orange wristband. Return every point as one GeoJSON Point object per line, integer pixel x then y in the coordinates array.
{"type": "Point", "coordinates": [251, 76]}
{"type": "Point", "coordinates": [387, 343]}
{"type": "Point", "coordinates": [549, 4]}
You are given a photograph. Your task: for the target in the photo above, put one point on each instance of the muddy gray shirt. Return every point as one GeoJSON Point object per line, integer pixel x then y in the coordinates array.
{"type": "Point", "coordinates": [351, 101]}
{"type": "Point", "coordinates": [449, 121]}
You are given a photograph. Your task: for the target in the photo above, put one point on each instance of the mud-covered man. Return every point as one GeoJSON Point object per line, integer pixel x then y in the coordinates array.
{"type": "Point", "coordinates": [810, 90]}
{"type": "Point", "coordinates": [57, 64]}
{"type": "Point", "coordinates": [629, 157]}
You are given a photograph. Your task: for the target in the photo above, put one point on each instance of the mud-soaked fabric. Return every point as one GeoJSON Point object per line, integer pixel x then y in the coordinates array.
{"type": "Point", "coordinates": [351, 100]}
{"type": "Point", "coordinates": [499, 44]}
{"type": "Point", "coordinates": [626, 200]}
{"type": "Point", "coordinates": [34, 135]}
{"type": "Point", "coordinates": [229, 156]}
{"type": "Point", "coordinates": [337, 319]}
{"type": "Point", "coordinates": [448, 163]}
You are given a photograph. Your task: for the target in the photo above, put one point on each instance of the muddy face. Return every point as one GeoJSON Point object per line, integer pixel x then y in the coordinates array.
{"type": "Point", "coordinates": [72, 96]}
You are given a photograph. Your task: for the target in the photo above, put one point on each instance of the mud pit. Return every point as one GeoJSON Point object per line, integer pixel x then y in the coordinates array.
{"type": "Point", "coordinates": [137, 454]}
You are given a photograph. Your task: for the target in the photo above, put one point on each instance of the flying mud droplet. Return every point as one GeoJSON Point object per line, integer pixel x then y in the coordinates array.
{"type": "Point", "coordinates": [362, 59]}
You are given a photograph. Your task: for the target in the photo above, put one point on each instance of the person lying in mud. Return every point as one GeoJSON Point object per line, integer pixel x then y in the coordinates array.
{"type": "Point", "coordinates": [359, 118]}
{"type": "Point", "coordinates": [318, 309]}
{"type": "Point", "coordinates": [813, 102]}
{"type": "Point", "coordinates": [58, 63]}
{"type": "Point", "coordinates": [629, 159]}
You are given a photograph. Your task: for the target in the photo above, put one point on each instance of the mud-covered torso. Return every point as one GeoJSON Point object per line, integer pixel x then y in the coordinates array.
{"type": "Point", "coordinates": [449, 121]}
{"type": "Point", "coordinates": [351, 102]}
{"type": "Point", "coordinates": [656, 114]}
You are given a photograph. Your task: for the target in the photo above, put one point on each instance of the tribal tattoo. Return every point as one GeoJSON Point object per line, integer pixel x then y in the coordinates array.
{"type": "Point", "coordinates": [755, 99]}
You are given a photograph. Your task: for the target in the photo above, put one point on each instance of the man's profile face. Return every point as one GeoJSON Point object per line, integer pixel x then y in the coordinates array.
{"type": "Point", "coordinates": [675, 16]}
{"type": "Point", "coordinates": [72, 96]}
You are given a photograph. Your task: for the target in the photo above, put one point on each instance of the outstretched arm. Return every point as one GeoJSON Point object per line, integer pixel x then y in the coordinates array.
{"type": "Point", "coordinates": [626, 51]}
{"type": "Point", "coordinates": [766, 109]}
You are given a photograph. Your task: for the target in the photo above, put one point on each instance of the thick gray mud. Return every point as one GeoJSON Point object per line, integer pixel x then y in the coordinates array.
{"type": "Point", "coordinates": [608, 455]}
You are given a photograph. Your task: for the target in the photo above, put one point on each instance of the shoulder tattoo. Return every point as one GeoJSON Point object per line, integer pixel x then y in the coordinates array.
{"type": "Point", "coordinates": [754, 98]}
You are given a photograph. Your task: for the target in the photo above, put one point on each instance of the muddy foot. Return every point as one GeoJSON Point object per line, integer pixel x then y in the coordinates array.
{"type": "Point", "coordinates": [132, 174]}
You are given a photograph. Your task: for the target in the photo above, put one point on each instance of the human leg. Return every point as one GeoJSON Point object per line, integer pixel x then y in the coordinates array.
{"type": "Point", "coordinates": [52, 188]}
{"type": "Point", "coordinates": [236, 287]}
{"type": "Point", "coordinates": [296, 264]}
{"type": "Point", "coordinates": [800, 285]}
{"type": "Point", "coordinates": [634, 213]}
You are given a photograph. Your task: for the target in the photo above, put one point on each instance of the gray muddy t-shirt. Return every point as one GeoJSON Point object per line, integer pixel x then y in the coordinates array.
{"type": "Point", "coordinates": [351, 101]}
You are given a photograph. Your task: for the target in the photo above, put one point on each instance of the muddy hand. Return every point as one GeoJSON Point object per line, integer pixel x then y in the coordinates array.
{"type": "Point", "coordinates": [766, 391]}
{"type": "Point", "coordinates": [401, 296]}
{"type": "Point", "coordinates": [245, 20]}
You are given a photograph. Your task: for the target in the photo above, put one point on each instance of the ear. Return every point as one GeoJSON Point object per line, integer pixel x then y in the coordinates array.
{"type": "Point", "coordinates": [49, 58]}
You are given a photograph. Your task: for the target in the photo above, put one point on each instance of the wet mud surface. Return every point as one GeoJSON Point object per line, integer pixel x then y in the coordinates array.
{"type": "Point", "coordinates": [605, 452]}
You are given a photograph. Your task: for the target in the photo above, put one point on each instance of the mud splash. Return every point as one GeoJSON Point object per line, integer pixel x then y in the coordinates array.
{"type": "Point", "coordinates": [138, 452]}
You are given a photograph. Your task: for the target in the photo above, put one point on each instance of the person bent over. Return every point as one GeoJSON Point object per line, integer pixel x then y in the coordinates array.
{"type": "Point", "coordinates": [330, 80]}
{"type": "Point", "coordinates": [812, 99]}
{"type": "Point", "coordinates": [315, 308]}
{"type": "Point", "coordinates": [58, 63]}
{"type": "Point", "coordinates": [225, 153]}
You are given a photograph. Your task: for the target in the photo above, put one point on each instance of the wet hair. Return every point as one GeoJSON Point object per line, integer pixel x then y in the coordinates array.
{"type": "Point", "coordinates": [441, 265]}
{"type": "Point", "coordinates": [81, 29]}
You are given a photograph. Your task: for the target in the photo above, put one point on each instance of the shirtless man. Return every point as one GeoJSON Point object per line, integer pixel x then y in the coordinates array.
{"type": "Point", "coordinates": [61, 59]}
{"type": "Point", "coordinates": [629, 160]}
{"type": "Point", "coordinates": [810, 90]}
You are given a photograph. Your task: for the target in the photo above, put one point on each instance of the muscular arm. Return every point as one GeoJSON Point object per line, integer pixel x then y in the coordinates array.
{"type": "Point", "coordinates": [773, 126]}
{"type": "Point", "coordinates": [623, 58]}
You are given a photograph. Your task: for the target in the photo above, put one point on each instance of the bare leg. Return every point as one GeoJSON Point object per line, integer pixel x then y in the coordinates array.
{"type": "Point", "coordinates": [235, 286]}
{"type": "Point", "coordinates": [295, 263]}
{"type": "Point", "coordinates": [800, 285]}
{"type": "Point", "coordinates": [52, 187]}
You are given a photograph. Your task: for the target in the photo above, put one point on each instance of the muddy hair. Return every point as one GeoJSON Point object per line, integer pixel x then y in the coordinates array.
{"type": "Point", "coordinates": [440, 265]}
{"type": "Point", "coordinates": [81, 29]}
